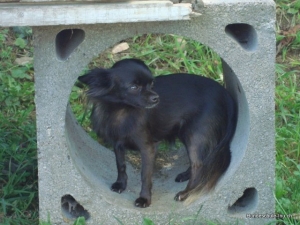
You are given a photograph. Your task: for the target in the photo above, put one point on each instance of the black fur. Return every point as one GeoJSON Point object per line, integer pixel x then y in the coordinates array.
{"type": "Point", "coordinates": [133, 110]}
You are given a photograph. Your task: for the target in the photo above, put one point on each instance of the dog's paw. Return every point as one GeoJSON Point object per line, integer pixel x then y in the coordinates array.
{"type": "Point", "coordinates": [118, 187]}
{"type": "Point", "coordinates": [182, 177]}
{"type": "Point", "coordinates": [142, 202]}
{"type": "Point", "coordinates": [181, 196]}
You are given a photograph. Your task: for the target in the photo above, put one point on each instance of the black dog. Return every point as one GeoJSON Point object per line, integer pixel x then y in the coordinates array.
{"type": "Point", "coordinates": [133, 110]}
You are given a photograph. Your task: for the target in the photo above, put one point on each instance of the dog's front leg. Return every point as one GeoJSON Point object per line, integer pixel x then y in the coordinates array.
{"type": "Point", "coordinates": [148, 157]}
{"type": "Point", "coordinates": [121, 183]}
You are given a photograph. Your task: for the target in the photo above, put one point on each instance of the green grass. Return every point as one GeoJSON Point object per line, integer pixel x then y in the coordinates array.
{"type": "Point", "coordinates": [287, 142]}
{"type": "Point", "coordinates": [164, 54]}
{"type": "Point", "coordinates": [18, 166]}
{"type": "Point", "coordinates": [288, 111]}
{"type": "Point", "coordinates": [167, 54]}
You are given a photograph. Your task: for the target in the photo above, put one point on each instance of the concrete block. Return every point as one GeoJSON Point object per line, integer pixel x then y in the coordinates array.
{"type": "Point", "coordinates": [74, 169]}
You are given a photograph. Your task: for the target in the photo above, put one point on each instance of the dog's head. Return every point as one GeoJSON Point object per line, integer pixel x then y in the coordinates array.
{"type": "Point", "coordinates": [128, 81]}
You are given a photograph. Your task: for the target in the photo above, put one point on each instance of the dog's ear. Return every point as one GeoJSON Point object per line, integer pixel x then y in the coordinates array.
{"type": "Point", "coordinates": [99, 81]}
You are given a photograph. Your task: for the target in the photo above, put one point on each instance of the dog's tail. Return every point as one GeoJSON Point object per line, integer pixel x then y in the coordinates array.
{"type": "Point", "coordinates": [218, 159]}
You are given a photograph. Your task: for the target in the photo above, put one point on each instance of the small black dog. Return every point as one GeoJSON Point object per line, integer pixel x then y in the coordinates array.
{"type": "Point", "coordinates": [133, 110]}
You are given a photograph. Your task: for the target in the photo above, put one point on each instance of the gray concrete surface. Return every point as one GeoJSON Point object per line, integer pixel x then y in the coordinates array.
{"type": "Point", "coordinates": [71, 163]}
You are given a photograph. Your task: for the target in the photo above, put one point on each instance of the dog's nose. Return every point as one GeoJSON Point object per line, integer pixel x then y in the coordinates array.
{"type": "Point", "coordinates": [154, 99]}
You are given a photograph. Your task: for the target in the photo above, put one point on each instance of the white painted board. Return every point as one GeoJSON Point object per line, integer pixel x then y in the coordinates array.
{"type": "Point", "coordinates": [41, 14]}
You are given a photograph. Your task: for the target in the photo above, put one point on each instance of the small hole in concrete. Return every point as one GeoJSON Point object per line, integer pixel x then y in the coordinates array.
{"type": "Point", "coordinates": [66, 41]}
{"type": "Point", "coordinates": [244, 34]}
{"type": "Point", "coordinates": [246, 203]}
{"type": "Point", "coordinates": [71, 209]}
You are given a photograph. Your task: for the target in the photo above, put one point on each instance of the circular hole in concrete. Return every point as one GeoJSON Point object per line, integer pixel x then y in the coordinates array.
{"type": "Point", "coordinates": [96, 162]}
{"type": "Point", "coordinates": [67, 41]}
{"type": "Point", "coordinates": [244, 34]}
{"type": "Point", "coordinates": [247, 203]}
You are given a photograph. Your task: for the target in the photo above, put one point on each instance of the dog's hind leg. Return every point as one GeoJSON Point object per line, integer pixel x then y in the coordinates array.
{"type": "Point", "coordinates": [193, 171]}
{"type": "Point", "coordinates": [121, 183]}
{"type": "Point", "coordinates": [209, 156]}
{"type": "Point", "coordinates": [199, 142]}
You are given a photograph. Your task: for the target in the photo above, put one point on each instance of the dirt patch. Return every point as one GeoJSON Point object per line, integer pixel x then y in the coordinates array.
{"type": "Point", "coordinates": [165, 159]}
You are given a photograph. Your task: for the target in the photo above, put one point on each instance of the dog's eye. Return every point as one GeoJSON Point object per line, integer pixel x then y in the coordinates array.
{"type": "Point", "coordinates": [134, 87]}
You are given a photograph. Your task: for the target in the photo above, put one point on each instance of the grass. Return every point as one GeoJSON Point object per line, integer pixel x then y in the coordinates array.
{"type": "Point", "coordinates": [164, 54]}
{"type": "Point", "coordinates": [18, 166]}
{"type": "Point", "coordinates": [288, 110]}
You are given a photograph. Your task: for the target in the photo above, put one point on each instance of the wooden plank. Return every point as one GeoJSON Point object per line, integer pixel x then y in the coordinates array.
{"type": "Point", "coordinates": [82, 1]}
{"type": "Point", "coordinates": [39, 14]}
{"type": "Point", "coordinates": [1, 1]}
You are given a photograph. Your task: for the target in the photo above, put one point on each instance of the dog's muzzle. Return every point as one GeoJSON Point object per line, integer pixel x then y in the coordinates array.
{"type": "Point", "coordinates": [153, 101]}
